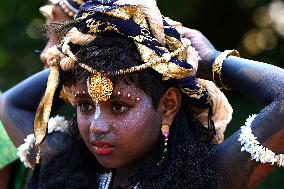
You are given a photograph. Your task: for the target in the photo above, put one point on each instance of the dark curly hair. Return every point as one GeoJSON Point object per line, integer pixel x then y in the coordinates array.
{"type": "Point", "coordinates": [190, 159]}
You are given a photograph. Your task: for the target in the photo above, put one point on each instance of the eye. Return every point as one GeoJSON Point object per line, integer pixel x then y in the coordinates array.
{"type": "Point", "coordinates": [118, 107]}
{"type": "Point", "coordinates": [85, 107]}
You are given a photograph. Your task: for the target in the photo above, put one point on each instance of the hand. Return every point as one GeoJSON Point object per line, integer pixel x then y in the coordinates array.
{"type": "Point", "coordinates": [206, 50]}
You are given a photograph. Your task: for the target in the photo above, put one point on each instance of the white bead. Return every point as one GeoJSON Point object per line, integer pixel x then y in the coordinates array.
{"type": "Point", "coordinates": [258, 152]}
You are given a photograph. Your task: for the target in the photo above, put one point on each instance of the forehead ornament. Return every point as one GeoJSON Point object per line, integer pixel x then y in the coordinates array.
{"type": "Point", "coordinates": [99, 86]}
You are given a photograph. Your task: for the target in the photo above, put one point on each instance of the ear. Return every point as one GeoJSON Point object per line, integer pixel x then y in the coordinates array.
{"type": "Point", "coordinates": [169, 105]}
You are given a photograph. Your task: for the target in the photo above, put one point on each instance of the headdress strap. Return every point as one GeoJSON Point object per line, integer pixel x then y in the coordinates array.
{"type": "Point", "coordinates": [44, 108]}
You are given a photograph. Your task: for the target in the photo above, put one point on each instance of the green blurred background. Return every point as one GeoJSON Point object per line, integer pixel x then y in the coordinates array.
{"type": "Point", "coordinates": [254, 27]}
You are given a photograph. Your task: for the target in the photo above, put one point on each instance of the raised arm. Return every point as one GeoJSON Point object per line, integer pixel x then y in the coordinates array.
{"type": "Point", "coordinates": [262, 82]}
{"type": "Point", "coordinates": [17, 110]}
{"type": "Point", "coordinates": [18, 106]}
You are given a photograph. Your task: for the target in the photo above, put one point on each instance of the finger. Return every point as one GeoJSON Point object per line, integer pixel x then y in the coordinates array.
{"type": "Point", "coordinates": [188, 33]}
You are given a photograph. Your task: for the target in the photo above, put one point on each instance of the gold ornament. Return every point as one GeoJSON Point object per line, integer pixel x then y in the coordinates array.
{"type": "Point", "coordinates": [217, 67]}
{"type": "Point", "coordinates": [100, 86]}
{"type": "Point", "coordinates": [165, 129]}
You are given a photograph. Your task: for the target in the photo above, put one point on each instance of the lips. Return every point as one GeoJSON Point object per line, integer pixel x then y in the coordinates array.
{"type": "Point", "coordinates": [103, 148]}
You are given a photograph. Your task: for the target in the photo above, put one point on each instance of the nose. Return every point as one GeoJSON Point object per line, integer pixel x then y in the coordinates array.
{"type": "Point", "coordinates": [99, 128]}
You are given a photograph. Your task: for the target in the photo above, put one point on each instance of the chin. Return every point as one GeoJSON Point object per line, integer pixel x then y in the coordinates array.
{"type": "Point", "coordinates": [108, 161]}
{"type": "Point", "coordinates": [109, 164]}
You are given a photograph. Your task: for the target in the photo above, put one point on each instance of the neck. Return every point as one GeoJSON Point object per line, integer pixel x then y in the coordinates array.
{"type": "Point", "coordinates": [124, 173]}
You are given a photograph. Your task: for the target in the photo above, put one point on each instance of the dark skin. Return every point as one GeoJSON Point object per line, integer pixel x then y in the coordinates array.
{"type": "Point", "coordinates": [260, 81]}
{"type": "Point", "coordinates": [18, 134]}
{"type": "Point", "coordinates": [4, 175]}
{"type": "Point", "coordinates": [58, 16]}
{"type": "Point", "coordinates": [120, 122]}
{"type": "Point", "coordinates": [167, 110]}
{"type": "Point", "coordinates": [12, 119]}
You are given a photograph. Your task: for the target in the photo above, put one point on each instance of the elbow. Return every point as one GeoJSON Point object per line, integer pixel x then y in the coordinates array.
{"type": "Point", "coordinates": [6, 105]}
{"type": "Point", "coordinates": [281, 107]}
{"type": "Point", "coordinates": [278, 108]}
{"type": "Point", "coordinates": [277, 91]}
{"type": "Point", "coordinates": [280, 95]}
{"type": "Point", "coordinates": [2, 105]}
{"type": "Point", "coordinates": [275, 97]}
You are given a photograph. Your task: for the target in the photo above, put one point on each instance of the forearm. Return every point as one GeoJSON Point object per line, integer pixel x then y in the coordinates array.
{"type": "Point", "coordinates": [18, 123]}
{"type": "Point", "coordinates": [18, 106]}
{"type": "Point", "coordinates": [17, 110]}
{"type": "Point", "coordinates": [5, 174]}
{"type": "Point", "coordinates": [262, 82]}
{"type": "Point", "coordinates": [241, 171]}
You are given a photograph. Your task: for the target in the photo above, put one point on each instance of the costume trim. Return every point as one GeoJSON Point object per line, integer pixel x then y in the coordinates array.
{"type": "Point", "coordinates": [57, 123]}
{"type": "Point", "coordinates": [258, 152]}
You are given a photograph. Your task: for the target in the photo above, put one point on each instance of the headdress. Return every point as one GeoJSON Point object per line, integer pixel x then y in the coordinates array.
{"type": "Point", "coordinates": [160, 46]}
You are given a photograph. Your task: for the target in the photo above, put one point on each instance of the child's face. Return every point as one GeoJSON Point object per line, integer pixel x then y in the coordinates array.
{"type": "Point", "coordinates": [122, 130]}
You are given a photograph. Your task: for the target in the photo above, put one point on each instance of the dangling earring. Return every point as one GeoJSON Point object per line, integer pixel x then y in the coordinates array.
{"type": "Point", "coordinates": [165, 131]}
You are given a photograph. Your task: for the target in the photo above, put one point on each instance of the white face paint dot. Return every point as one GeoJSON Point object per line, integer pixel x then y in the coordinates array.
{"type": "Point", "coordinates": [98, 110]}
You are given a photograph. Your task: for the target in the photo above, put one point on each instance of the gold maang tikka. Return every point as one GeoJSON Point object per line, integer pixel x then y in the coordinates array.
{"type": "Point", "coordinates": [99, 86]}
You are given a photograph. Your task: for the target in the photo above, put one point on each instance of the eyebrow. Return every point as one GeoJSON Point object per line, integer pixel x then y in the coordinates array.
{"type": "Point", "coordinates": [118, 97]}
{"type": "Point", "coordinates": [115, 96]}
{"type": "Point", "coordinates": [82, 95]}
{"type": "Point", "coordinates": [112, 97]}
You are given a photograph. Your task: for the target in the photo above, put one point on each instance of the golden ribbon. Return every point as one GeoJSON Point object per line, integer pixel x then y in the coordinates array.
{"type": "Point", "coordinates": [44, 108]}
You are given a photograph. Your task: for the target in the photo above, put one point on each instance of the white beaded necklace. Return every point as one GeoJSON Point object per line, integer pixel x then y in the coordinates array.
{"type": "Point", "coordinates": [105, 180]}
